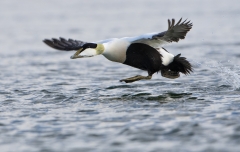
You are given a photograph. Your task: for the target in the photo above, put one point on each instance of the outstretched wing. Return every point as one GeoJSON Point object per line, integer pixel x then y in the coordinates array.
{"type": "Point", "coordinates": [174, 33]}
{"type": "Point", "coordinates": [63, 44]}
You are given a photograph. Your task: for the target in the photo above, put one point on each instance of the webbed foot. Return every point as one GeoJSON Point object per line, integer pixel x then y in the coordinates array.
{"type": "Point", "coordinates": [170, 74]}
{"type": "Point", "coordinates": [136, 78]}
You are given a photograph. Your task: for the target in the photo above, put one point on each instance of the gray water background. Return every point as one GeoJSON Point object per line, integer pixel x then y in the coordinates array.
{"type": "Point", "coordinates": [49, 102]}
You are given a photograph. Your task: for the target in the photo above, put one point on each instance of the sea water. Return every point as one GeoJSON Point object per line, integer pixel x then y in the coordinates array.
{"type": "Point", "coordinates": [49, 102]}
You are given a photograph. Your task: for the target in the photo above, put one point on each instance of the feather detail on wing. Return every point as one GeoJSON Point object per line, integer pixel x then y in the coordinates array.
{"type": "Point", "coordinates": [174, 33]}
{"type": "Point", "coordinates": [63, 44]}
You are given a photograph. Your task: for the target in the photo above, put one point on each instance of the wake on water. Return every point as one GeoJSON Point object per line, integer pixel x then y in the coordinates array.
{"type": "Point", "coordinates": [226, 71]}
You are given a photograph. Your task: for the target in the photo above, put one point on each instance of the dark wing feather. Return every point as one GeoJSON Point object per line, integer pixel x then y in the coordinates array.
{"type": "Point", "coordinates": [175, 32]}
{"type": "Point", "coordinates": [63, 44]}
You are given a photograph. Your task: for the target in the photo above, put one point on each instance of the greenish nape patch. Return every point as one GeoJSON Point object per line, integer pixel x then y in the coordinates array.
{"type": "Point", "coordinates": [99, 49]}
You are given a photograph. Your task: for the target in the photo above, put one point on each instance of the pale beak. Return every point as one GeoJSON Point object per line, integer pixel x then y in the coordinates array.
{"type": "Point", "coordinates": [77, 54]}
{"type": "Point", "coordinates": [86, 52]}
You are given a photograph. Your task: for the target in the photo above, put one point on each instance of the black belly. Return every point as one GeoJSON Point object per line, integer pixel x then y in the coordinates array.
{"type": "Point", "coordinates": [144, 57]}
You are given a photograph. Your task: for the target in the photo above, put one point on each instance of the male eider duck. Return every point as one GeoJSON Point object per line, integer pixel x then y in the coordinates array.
{"type": "Point", "coordinates": [143, 52]}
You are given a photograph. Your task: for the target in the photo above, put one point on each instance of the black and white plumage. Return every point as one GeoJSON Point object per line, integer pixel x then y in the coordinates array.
{"type": "Point", "coordinates": [143, 52]}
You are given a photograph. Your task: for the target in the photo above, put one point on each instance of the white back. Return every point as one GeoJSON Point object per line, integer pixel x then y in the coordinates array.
{"type": "Point", "coordinates": [116, 50]}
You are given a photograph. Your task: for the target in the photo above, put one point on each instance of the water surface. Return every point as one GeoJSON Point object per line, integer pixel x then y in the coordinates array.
{"type": "Point", "coordinates": [49, 102]}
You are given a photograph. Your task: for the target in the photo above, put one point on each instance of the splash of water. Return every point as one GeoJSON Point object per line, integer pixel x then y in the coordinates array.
{"type": "Point", "coordinates": [227, 71]}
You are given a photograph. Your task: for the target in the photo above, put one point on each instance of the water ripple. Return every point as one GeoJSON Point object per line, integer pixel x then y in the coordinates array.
{"type": "Point", "coordinates": [49, 102]}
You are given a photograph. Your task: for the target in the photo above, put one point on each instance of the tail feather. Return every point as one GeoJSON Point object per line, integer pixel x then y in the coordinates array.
{"type": "Point", "coordinates": [181, 64]}
{"type": "Point", "coordinates": [63, 44]}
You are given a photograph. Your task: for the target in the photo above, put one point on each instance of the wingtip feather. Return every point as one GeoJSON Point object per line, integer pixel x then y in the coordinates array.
{"type": "Point", "coordinates": [63, 44]}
